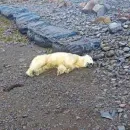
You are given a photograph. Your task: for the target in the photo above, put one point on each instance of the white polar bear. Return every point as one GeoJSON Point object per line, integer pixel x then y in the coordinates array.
{"type": "Point", "coordinates": [64, 62]}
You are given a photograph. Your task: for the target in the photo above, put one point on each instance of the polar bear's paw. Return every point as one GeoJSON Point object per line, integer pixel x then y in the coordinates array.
{"type": "Point", "coordinates": [61, 70]}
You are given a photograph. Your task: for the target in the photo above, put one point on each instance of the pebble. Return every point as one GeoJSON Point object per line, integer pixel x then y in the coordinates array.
{"type": "Point", "coordinates": [122, 44]}
{"type": "Point", "coordinates": [77, 117]}
{"type": "Point", "coordinates": [125, 116]}
{"type": "Point", "coordinates": [123, 19]}
{"type": "Point", "coordinates": [106, 48]}
{"type": "Point", "coordinates": [115, 27]}
{"type": "Point", "coordinates": [21, 60]}
{"type": "Point", "coordinates": [129, 44]}
{"type": "Point", "coordinates": [121, 127]}
{"type": "Point", "coordinates": [126, 67]}
{"type": "Point", "coordinates": [100, 10]}
{"type": "Point", "coordinates": [125, 26]}
{"type": "Point", "coordinates": [127, 55]}
{"type": "Point", "coordinates": [110, 53]}
{"type": "Point", "coordinates": [122, 105]}
{"type": "Point", "coordinates": [106, 114]}
{"type": "Point", "coordinates": [126, 49]}
{"type": "Point", "coordinates": [99, 56]}
{"type": "Point", "coordinates": [120, 110]}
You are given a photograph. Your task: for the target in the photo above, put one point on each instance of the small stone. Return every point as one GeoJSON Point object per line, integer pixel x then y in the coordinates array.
{"type": "Point", "coordinates": [115, 27]}
{"type": "Point", "coordinates": [82, 5]}
{"type": "Point", "coordinates": [122, 44]}
{"type": "Point", "coordinates": [123, 19]}
{"type": "Point", "coordinates": [6, 66]}
{"type": "Point", "coordinates": [121, 127]}
{"type": "Point", "coordinates": [126, 67]}
{"type": "Point", "coordinates": [100, 10]}
{"type": "Point", "coordinates": [125, 116]}
{"type": "Point", "coordinates": [21, 60]}
{"type": "Point", "coordinates": [106, 114]}
{"type": "Point", "coordinates": [100, 56]}
{"type": "Point", "coordinates": [126, 93]}
{"type": "Point", "coordinates": [127, 55]}
{"type": "Point", "coordinates": [89, 6]}
{"type": "Point", "coordinates": [120, 110]}
{"type": "Point", "coordinates": [77, 118]}
{"type": "Point", "coordinates": [122, 105]}
{"type": "Point", "coordinates": [125, 26]}
{"type": "Point", "coordinates": [106, 48]}
{"type": "Point", "coordinates": [24, 116]}
{"type": "Point", "coordinates": [126, 49]}
{"type": "Point", "coordinates": [129, 44]}
{"type": "Point", "coordinates": [108, 7]}
{"type": "Point", "coordinates": [24, 127]}
{"type": "Point", "coordinates": [121, 59]}
{"type": "Point", "coordinates": [98, 35]}
{"type": "Point", "coordinates": [110, 53]}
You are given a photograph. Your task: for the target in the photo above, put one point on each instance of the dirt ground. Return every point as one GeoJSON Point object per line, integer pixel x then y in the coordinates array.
{"type": "Point", "coordinates": [49, 102]}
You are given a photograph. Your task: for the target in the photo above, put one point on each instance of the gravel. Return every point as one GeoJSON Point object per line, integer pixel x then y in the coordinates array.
{"type": "Point", "coordinates": [76, 100]}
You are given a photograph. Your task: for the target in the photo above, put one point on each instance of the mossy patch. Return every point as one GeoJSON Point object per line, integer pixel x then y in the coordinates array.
{"type": "Point", "coordinates": [9, 33]}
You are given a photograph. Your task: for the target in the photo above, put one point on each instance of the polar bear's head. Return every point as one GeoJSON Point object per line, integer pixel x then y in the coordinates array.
{"type": "Point", "coordinates": [87, 60]}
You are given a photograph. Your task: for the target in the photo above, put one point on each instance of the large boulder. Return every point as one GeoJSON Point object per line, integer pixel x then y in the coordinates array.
{"type": "Point", "coordinates": [45, 35]}
{"type": "Point", "coordinates": [11, 11]}
{"type": "Point", "coordinates": [35, 26]}
{"type": "Point", "coordinates": [79, 47]}
{"type": "Point", "coordinates": [22, 22]}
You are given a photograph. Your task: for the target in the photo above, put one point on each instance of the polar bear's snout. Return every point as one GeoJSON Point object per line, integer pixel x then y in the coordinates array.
{"type": "Point", "coordinates": [90, 65]}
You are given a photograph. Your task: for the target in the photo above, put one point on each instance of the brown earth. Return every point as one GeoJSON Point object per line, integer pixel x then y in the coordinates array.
{"type": "Point", "coordinates": [49, 102]}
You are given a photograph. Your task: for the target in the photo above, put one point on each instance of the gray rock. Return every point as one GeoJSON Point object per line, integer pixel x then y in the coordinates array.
{"type": "Point", "coordinates": [127, 55]}
{"type": "Point", "coordinates": [121, 59]}
{"type": "Point", "coordinates": [108, 7]}
{"type": "Point", "coordinates": [106, 48]}
{"type": "Point", "coordinates": [119, 52]}
{"type": "Point", "coordinates": [120, 110]}
{"type": "Point", "coordinates": [100, 10]}
{"type": "Point", "coordinates": [125, 26]}
{"type": "Point", "coordinates": [121, 127]}
{"type": "Point", "coordinates": [110, 53]}
{"type": "Point", "coordinates": [115, 27]}
{"type": "Point", "coordinates": [126, 67]}
{"type": "Point", "coordinates": [100, 56]}
{"type": "Point", "coordinates": [125, 116]}
{"type": "Point", "coordinates": [129, 43]}
{"type": "Point", "coordinates": [122, 44]}
{"type": "Point", "coordinates": [106, 114]}
{"type": "Point", "coordinates": [126, 49]}
{"type": "Point", "coordinates": [21, 60]}
{"type": "Point", "coordinates": [98, 35]}
{"type": "Point", "coordinates": [123, 19]}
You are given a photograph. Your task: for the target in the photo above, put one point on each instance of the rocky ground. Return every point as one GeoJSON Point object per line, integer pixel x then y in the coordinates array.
{"type": "Point", "coordinates": [87, 99]}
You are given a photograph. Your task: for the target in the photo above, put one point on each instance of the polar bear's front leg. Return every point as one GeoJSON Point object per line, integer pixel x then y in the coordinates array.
{"type": "Point", "coordinates": [61, 69]}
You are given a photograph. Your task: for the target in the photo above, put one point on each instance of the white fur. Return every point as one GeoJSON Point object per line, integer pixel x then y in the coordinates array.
{"type": "Point", "coordinates": [64, 62]}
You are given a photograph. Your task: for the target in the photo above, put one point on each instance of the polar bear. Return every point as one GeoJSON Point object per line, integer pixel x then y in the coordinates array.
{"type": "Point", "coordinates": [64, 62]}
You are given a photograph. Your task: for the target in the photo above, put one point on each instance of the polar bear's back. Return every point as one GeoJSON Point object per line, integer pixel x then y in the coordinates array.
{"type": "Point", "coordinates": [62, 58]}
